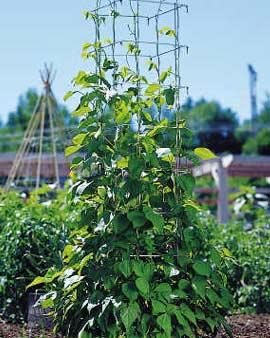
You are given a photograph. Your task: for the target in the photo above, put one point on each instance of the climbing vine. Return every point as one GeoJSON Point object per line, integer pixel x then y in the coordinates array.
{"type": "Point", "coordinates": [138, 265]}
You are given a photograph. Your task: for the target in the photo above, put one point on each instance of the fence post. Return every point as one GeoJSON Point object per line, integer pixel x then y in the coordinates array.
{"type": "Point", "coordinates": [223, 194]}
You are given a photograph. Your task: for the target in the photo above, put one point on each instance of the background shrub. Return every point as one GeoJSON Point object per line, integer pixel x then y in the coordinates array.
{"type": "Point", "coordinates": [32, 235]}
{"type": "Point", "coordinates": [246, 241]}
{"type": "Point", "coordinates": [249, 276]}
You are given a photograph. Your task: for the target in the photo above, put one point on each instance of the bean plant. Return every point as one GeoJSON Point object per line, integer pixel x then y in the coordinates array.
{"type": "Point", "coordinates": [139, 264]}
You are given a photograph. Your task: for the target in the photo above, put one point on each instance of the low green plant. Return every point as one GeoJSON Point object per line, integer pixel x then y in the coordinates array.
{"type": "Point", "coordinates": [248, 242]}
{"type": "Point", "coordinates": [32, 235]}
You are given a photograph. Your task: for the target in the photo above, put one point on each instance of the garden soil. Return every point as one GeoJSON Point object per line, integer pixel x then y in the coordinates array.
{"type": "Point", "coordinates": [18, 331]}
{"type": "Point", "coordinates": [249, 326]}
{"type": "Point", "coordinates": [243, 326]}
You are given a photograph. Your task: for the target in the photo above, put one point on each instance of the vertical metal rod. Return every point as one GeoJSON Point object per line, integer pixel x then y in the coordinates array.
{"type": "Point", "coordinates": [137, 37]}
{"type": "Point", "coordinates": [136, 34]}
{"type": "Point", "coordinates": [177, 118]}
{"type": "Point", "coordinates": [96, 21]}
{"type": "Point", "coordinates": [158, 54]}
{"type": "Point", "coordinates": [114, 41]}
{"type": "Point", "coordinates": [98, 50]}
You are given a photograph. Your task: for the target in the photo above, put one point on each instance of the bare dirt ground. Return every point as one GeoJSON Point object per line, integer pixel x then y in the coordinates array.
{"type": "Point", "coordinates": [243, 326]}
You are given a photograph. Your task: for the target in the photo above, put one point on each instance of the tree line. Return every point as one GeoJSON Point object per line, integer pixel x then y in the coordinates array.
{"type": "Point", "coordinates": [12, 131]}
{"type": "Point", "coordinates": [219, 128]}
{"type": "Point", "coordinates": [213, 126]}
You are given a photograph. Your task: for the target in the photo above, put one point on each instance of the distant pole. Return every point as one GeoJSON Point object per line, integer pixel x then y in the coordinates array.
{"type": "Point", "coordinates": [253, 98]}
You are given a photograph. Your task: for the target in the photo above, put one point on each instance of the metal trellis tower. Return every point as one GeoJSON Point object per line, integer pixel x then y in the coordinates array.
{"type": "Point", "coordinates": [138, 34]}
{"type": "Point", "coordinates": [142, 35]}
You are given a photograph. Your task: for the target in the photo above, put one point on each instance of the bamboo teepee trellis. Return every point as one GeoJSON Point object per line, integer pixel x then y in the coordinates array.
{"type": "Point", "coordinates": [40, 140]}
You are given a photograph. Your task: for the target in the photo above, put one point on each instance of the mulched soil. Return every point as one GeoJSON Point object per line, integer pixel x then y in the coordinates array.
{"type": "Point", "coordinates": [243, 326]}
{"type": "Point", "coordinates": [19, 331]}
{"type": "Point", "coordinates": [249, 326]}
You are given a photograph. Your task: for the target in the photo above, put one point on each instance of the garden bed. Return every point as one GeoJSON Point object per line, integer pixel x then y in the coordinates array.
{"type": "Point", "coordinates": [244, 326]}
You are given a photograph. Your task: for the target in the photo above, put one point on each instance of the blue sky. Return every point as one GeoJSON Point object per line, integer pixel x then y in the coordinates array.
{"type": "Point", "coordinates": [223, 35]}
